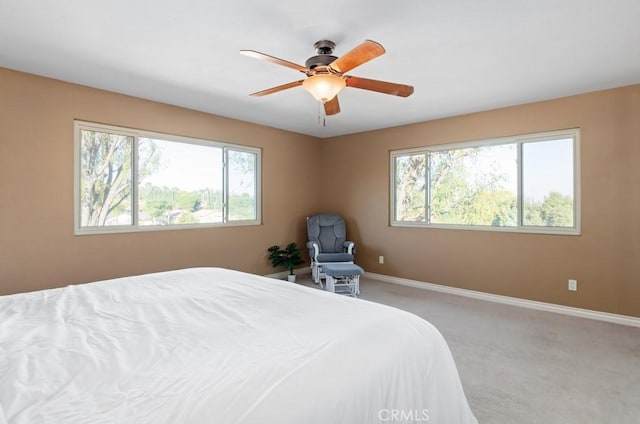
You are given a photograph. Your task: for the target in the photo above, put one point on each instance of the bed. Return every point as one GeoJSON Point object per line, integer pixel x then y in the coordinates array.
{"type": "Point", "coordinates": [211, 345]}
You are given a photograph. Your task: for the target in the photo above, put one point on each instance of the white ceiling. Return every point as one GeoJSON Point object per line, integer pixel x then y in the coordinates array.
{"type": "Point", "coordinates": [460, 55]}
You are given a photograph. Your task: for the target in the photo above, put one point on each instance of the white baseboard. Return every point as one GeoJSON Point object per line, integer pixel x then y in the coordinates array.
{"type": "Point", "coordinates": [283, 275]}
{"type": "Point", "coordinates": [514, 301]}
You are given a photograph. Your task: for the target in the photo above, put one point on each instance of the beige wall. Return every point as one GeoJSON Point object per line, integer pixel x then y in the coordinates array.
{"type": "Point", "coordinates": [38, 248]}
{"type": "Point", "coordinates": [605, 259]}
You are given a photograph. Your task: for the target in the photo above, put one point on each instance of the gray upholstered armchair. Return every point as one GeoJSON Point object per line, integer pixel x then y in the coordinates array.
{"type": "Point", "coordinates": [327, 243]}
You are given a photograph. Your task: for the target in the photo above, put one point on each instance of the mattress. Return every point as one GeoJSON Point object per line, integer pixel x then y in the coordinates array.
{"type": "Point", "coordinates": [211, 345]}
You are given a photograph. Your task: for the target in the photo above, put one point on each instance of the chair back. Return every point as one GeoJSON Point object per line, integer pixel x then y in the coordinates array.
{"type": "Point", "coordinates": [328, 230]}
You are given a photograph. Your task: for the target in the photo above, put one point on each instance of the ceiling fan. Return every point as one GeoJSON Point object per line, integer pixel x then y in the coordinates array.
{"type": "Point", "coordinates": [326, 73]}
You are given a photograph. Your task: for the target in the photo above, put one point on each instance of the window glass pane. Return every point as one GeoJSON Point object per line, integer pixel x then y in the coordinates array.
{"type": "Point", "coordinates": [547, 183]}
{"type": "Point", "coordinates": [105, 180]}
{"type": "Point", "coordinates": [474, 186]}
{"type": "Point", "coordinates": [242, 186]}
{"type": "Point", "coordinates": [410, 186]}
{"type": "Point", "coordinates": [178, 183]}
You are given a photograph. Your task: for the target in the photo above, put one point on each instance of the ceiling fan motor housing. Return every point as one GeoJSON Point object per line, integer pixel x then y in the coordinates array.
{"type": "Point", "coordinates": [324, 48]}
{"type": "Point", "coordinates": [320, 60]}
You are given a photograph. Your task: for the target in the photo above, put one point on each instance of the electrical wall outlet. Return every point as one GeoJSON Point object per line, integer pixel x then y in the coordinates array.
{"type": "Point", "coordinates": [380, 259]}
{"type": "Point", "coordinates": [573, 285]}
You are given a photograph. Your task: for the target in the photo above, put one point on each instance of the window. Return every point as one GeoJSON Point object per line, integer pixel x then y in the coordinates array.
{"type": "Point", "coordinates": [130, 180]}
{"type": "Point", "coordinates": [526, 183]}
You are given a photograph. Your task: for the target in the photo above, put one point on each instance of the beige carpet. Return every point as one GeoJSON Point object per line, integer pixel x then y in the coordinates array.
{"type": "Point", "coordinates": [524, 366]}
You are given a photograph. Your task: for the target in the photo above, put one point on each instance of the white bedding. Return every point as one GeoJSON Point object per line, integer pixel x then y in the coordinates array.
{"type": "Point", "coordinates": [209, 345]}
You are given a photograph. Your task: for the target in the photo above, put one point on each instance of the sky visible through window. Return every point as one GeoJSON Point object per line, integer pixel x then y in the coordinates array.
{"type": "Point", "coordinates": [547, 166]}
{"type": "Point", "coordinates": [193, 167]}
{"type": "Point", "coordinates": [187, 166]}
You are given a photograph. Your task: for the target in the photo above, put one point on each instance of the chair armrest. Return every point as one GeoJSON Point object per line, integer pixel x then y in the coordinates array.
{"type": "Point", "coordinates": [350, 247]}
{"type": "Point", "coordinates": [314, 250]}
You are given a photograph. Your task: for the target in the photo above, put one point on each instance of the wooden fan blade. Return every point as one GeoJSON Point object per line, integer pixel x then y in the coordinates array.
{"type": "Point", "coordinates": [276, 89]}
{"type": "Point", "coordinates": [401, 90]}
{"type": "Point", "coordinates": [332, 107]}
{"type": "Point", "coordinates": [261, 56]}
{"type": "Point", "coordinates": [357, 56]}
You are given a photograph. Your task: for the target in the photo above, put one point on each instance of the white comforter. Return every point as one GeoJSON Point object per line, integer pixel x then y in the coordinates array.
{"type": "Point", "coordinates": [209, 345]}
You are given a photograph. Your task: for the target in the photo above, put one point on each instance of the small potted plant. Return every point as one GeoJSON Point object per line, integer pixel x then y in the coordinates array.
{"type": "Point", "coordinates": [288, 258]}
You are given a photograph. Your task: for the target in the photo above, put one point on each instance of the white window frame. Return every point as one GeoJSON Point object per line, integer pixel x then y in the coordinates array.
{"type": "Point", "coordinates": [518, 140]}
{"type": "Point", "coordinates": [78, 126]}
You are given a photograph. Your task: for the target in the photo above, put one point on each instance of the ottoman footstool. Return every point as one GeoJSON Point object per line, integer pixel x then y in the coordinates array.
{"type": "Point", "coordinates": [343, 278]}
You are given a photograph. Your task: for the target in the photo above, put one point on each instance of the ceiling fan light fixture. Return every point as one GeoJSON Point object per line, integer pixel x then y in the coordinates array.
{"type": "Point", "coordinates": [324, 87]}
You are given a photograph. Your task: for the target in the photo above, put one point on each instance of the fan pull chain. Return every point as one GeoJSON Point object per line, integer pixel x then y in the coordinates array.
{"type": "Point", "coordinates": [322, 117]}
